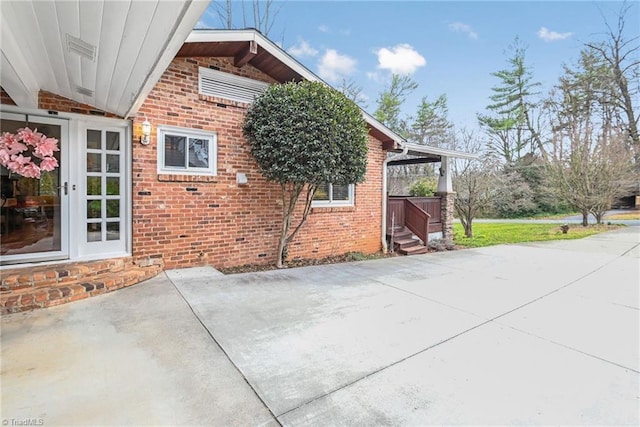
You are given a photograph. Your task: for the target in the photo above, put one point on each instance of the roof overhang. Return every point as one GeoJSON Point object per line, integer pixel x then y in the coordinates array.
{"type": "Point", "coordinates": [417, 154]}
{"type": "Point", "coordinates": [249, 46]}
{"type": "Point", "coordinates": [108, 54]}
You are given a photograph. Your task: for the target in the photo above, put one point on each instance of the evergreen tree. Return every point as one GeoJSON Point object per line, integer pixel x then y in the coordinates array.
{"type": "Point", "coordinates": [509, 124]}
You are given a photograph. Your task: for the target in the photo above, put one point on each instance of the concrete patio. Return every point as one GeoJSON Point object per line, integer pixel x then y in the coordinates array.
{"type": "Point", "coordinates": [542, 333]}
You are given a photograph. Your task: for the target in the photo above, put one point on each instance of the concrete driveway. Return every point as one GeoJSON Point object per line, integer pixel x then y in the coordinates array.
{"type": "Point", "coordinates": [544, 333]}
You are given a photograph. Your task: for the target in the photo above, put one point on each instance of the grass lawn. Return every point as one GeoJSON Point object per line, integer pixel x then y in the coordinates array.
{"type": "Point", "coordinates": [488, 234]}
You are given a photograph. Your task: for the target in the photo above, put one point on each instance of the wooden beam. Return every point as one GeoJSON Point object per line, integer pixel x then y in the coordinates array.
{"type": "Point", "coordinates": [246, 54]}
{"type": "Point", "coordinates": [389, 145]}
{"type": "Point", "coordinates": [416, 161]}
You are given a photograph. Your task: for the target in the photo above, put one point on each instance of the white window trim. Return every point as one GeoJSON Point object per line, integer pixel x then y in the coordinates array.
{"type": "Point", "coordinates": [212, 170]}
{"type": "Point", "coordinates": [335, 203]}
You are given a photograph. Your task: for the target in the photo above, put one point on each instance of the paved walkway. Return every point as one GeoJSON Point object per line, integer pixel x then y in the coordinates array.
{"type": "Point", "coordinates": [543, 333]}
{"type": "Point", "coordinates": [572, 219]}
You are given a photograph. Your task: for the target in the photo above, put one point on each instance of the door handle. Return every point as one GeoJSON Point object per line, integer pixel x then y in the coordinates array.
{"type": "Point", "coordinates": [66, 188]}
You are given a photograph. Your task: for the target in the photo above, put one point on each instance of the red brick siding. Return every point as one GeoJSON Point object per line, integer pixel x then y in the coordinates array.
{"type": "Point", "coordinates": [53, 102]}
{"type": "Point", "coordinates": [5, 98]}
{"type": "Point", "coordinates": [194, 220]}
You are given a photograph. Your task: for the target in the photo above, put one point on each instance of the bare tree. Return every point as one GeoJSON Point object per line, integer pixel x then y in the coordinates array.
{"type": "Point", "coordinates": [352, 91]}
{"type": "Point", "coordinates": [590, 164]}
{"type": "Point", "coordinates": [591, 171]}
{"type": "Point", "coordinates": [621, 55]}
{"type": "Point", "coordinates": [259, 14]}
{"type": "Point", "coordinates": [473, 181]}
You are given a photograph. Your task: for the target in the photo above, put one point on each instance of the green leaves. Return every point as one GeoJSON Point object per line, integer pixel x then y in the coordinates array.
{"type": "Point", "coordinates": [306, 132]}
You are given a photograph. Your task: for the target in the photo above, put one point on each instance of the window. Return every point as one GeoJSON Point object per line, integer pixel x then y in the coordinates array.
{"type": "Point", "coordinates": [184, 151]}
{"type": "Point", "coordinates": [334, 195]}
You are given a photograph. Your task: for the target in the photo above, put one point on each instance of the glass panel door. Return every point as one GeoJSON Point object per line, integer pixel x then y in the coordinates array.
{"type": "Point", "coordinates": [33, 223]}
{"type": "Point", "coordinates": [104, 190]}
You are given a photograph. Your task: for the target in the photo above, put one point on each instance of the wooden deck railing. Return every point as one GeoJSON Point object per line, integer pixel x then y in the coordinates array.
{"type": "Point", "coordinates": [431, 205]}
{"type": "Point", "coordinates": [417, 220]}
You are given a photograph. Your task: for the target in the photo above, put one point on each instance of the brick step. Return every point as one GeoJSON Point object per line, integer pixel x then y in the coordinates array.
{"type": "Point", "coordinates": [31, 298]}
{"type": "Point", "coordinates": [14, 279]}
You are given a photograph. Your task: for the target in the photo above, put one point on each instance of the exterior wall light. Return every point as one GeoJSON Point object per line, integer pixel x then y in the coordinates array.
{"type": "Point", "coordinates": [241, 178]}
{"type": "Point", "coordinates": [146, 132]}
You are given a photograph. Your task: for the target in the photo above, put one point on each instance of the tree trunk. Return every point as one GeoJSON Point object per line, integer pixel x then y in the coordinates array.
{"type": "Point", "coordinates": [585, 218]}
{"type": "Point", "coordinates": [599, 216]}
{"type": "Point", "coordinates": [282, 242]}
{"type": "Point", "coordinates": [468, 228]}
{"type": "Point", "coordinates": [289, 200]}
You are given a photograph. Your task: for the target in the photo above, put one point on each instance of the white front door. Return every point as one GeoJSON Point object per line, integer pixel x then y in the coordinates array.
{"type": "Point", "coordinates": [34, 212]}
{"type": "Point", "coordinates": [102, 191]}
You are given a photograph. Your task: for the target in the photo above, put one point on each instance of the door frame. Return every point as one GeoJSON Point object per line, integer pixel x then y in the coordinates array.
{"type": "Point", "coordinates": [84, 249]}
{"type": "Point", "coordinates": [63, 195]}
{"type": "Point", "coordinates": [76, 123]}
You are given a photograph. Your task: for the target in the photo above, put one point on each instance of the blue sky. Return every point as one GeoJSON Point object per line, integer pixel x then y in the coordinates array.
{"type": "Point", "coordinates": [449, 47]}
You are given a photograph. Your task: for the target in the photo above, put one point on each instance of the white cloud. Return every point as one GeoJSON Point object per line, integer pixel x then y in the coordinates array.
{"type": "Point", "coordinates": [333, 65]}
{"type": "Point", "coordinates": [324, 29]}
{"type": "Point", "coordinates": [551, 36]}
{"type": "Point", "coordinates": [302, 49]}
{"type": "Point", "coordinates": [400, 59]}
{"type": "Point", "coordinates": [460, 27]}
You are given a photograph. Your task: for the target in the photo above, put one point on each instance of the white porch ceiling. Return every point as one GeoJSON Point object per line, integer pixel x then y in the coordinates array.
{"type": "Point", "coordinates": [134, 42]}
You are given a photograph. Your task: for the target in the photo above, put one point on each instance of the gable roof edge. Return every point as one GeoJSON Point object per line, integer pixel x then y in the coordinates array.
{"type": "Point", "coordinates": [250, 34]}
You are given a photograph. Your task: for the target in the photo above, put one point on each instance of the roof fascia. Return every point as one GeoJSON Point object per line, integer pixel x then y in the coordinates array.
{"type": "Point", "coordinates": [425, 149]}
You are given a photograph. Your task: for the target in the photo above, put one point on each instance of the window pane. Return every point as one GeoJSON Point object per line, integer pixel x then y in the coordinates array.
{"type": "Point", "coordinates": [174, 151]}
{"type": "Point", "coordinates": [94, 208]}
{"type": "Point", "coordinates": [94, 162]}
{"type": "Point", "coordinates": [94, 186]}
{"type": "Point", "coordinates": [113, 141]}
{"type": "Point", "coordinates": [94, 139]}
{"type": "Point", "coordinates": [340, 192]}
{"type": "Point", "coordinates": [113, 186]}
{"type": "Point", "coordinates": [322, 192]}
{"type": "Point", "coordinates": [113, 209]}
{"type": "Point", "coordinates": [113, 230]}
{"type": "Point", "coordinates": [113, 163]}
{"type": "Point", "coordinates": [198, 153]}
{"type": "Point", "coordinates": [94, 232]}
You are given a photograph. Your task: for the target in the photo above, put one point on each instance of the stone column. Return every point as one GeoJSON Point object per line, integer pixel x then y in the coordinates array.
{"type": "Point", "coordinates": [446, 213]}
{"type": "Point", "coordinates": [445, 191]}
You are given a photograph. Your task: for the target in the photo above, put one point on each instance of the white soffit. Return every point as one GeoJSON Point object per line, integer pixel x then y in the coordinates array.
{"type": "Point", "coordinates": [104, 53]}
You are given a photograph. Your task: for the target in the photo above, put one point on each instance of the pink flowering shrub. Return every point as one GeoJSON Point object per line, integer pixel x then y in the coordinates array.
{"type": "Point", "coordinates": [14, 149]}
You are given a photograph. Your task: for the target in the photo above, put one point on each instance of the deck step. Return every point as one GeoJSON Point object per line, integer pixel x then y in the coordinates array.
{"type": "Point", "coordinates": [30, 289]}
{"type": "Point", "coordinates": [405, 242]}
{"type": "Point", "coordinates": [414, 250]}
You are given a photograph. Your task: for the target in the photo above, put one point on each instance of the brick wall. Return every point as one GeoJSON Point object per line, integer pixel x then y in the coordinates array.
{"type": "Point", "coordinates": [185, 221]}
{"type": "Point", "coordinates": [51, 101]}
{"type": "Point", "coordinates": [5, 98]}
{"type": "Point", "coordinates": [203, 220]}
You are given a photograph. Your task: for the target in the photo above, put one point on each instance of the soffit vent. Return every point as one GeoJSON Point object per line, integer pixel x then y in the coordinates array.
{"type": "Point", "coordinates": [84, 91]}
{"type": "Point", "coordinates": [81, 47]}
{"type": "Point", "coordinates": [229, 86]}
